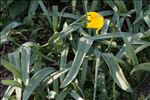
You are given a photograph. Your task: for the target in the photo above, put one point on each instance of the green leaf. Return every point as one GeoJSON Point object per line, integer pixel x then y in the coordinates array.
{"type": "Point", "coordinates": [147, 20]}
{"type": "Point", "coordinates": [73, 2]}
{"type": "Point", "coordinates": [43, 56]}
{"type": "Point", "coordinates": [25, 64]}
{"type": "Point", "coordinates": [76, 96]}
{"type": "Point", "coordinates": [97, 54]}
{"type": "Point", "coordinates": [116, 72]}
{"type": "Point", "coordinates": [8, 93]}
{"type": "Point", "coordinates": [12, 83]}
{"type": "Point", "coordinates": [83, 47]}
{"type": "Point", "coordinates": [35, 80]}
{"type": "Point", "coordinates": [105, 27]}
{"type": "Point", "coordinates": [141, 67]}
{"type": "Point", "coordinates": [121, 52]}
{"type": "Point", "coordinates": [63, 61]}
{"type": "Point", "coordinates": [147, 97]}
{"type": "Point", "coordinates": [37, 62]}
{"type": "Point", "coordinates": [63, 94]}
{"type": "Point", "coordinates": [56, 85]}
{"type": "Point", "coordinates": [83, 73]}
{"type": "Point", "coordinates": [32, 8]}
{"type": "Point", "coordinates": [112, 5]}
{"type": "Point", "coordinates": [120, 22]}
{"type": "Point", "coordinates": [84, 33]}
{"type": "Point", "coordinates": [14, 58]}
{"type": "Point", "coordinates": [138, 6]}
{"type": "Point", "coordinates": [138, 19]}
{"type": "Point", "coordinates": [45, 11]}
{"type": "Point", "coordinates": [5, 4]}
{"type": "Point", "coordinates": [106, 12]}
{"type": "Point", "coordinates": [121, 5]}
{"type": "Point", "coordinates": [53, 77]}
{"type": "Point", "coordinates": [102, 85]}
{"type": "Point", "coordinates": [129, 25]}
{"type": "Point", "coordinates": [5, 32]}
{"type": "Point", "coordinates": [109, 35]}
{"type": "Point", "coordinates": [94, 5]}
{"type": "Point", "coordinates": [140, 48]}
{"type": "Point", "coordinates": [17, 8]}
{"type": "Point", "coordinates": [130, 51]}
{"type": "Point", "coordinates": [84, 4]}
{"type": "Point", "coordinates": [69, 29]}
{"type": "Point", "coordinates": [12, 68]}
{"type": "Point", "coordinates": [68, 15]}
{"type": "Point", "coordinates": [55, 18]}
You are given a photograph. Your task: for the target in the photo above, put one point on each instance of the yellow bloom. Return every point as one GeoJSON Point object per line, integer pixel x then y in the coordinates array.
{"type": "Point", "coordinates": [95, 20]}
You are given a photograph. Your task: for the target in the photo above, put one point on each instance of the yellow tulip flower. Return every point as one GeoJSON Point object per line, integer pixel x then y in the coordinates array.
{"type": "Point", "coordinates": [95, 20]}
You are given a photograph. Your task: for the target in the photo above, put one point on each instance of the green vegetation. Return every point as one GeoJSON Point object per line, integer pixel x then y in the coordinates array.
{"type": "Point", "coordinates": [52, 55]}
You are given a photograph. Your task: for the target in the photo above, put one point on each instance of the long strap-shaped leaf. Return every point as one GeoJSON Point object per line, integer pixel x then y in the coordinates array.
{"type": "Point", "coordinates": [35, 80]}
{"type": "Point", "coordinates": [83, 47]}
{"type": "Point", "coordinates": [141, 67]}
{"type": "Point", "coordinates": [14, 58]}
{"type": "Point", "coordinates": [116, 72]}
{"type": "Point", "coordinates": [45, 11]}
{"type": "Point", "coordinates": [130, 51]}
{"type": "Point", "coordinates": [12, 68]}
{"type": "Point", "coordinates": [8, 93]}
{"type": "Point", "coordinates": [97, 54]}
{"type": "Point", "coordinates": [12, 83]}
{"type": "Point", "coordinates": [25, 64]}
{"type": "Point", "coordinates": [6, 31]}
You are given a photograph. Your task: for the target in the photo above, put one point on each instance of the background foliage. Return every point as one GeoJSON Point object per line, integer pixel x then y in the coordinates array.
{"type": "Point", "coordinates": [51, 54]}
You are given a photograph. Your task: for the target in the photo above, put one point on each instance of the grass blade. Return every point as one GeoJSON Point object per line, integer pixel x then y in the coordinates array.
{"type": "Point", "coordinates": [32, 8]}
{"type": "Point", "coordinates": [52, 77]}
{"type": "Point", "coordinates": [83, 72]}
{"type": "Point", "coordinates": [112, 5]}
{"type": "Point", "coordinates": [14, 59]}
{"type": "Point", "coordinates": [55, 18]}
{"type": "Point", "coordinates": [141, 67]}
{"type": "Point", "coordinates": [121, 5]}
{"type": "Point", "coordinates": [97, 54]}
{"type": "Point", "coordinates": [25, 64]}
{"type": "Point", "coordinates": [102, 85]}
{"type": "Point", "coordinates": [138, 6]}
{"type": "Point", "coordinates": [69, 30]}
{"type": "Point", "coordinates": [105, 27]}
{"type": "Point", "coordinates": [63, 61]}
{"type": "Point", "coordinates": [5, 32]}
{"type": "Point", "coordinates": [83, 46]}
{"type": "Point", "coordinates": [75, 95]}
{"type": "Point", "coordinates": [116, 72]}
{"type": "Point", "coordinates": [45, 11]}
{"type": "Point", "coordinates": [130, 51]}
{"type": "Point", "coordinates": [35, 80]}
{"type": "Point", "coordinates": [94, 5]}
{"type": "Point", "coordinates": [12, 83]}
{"type": "Point", "coordinates": [8, 93]}
{"type": "Point", "coordinates": [63, 94]}
{"type": "Point", "coordinates": [12, 68]}
{"type": "Point", "coordinates": [73, 3]}
{"type": "Point", "coordinates": [140, 48]}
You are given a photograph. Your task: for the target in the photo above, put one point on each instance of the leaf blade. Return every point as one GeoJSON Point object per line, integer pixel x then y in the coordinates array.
{"type": "Point", "coordinates": [116, 72]}
{"type": "Point", "coordinates": [83, 47]}
{"type": "Point", "coordinates": [35, 80]}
